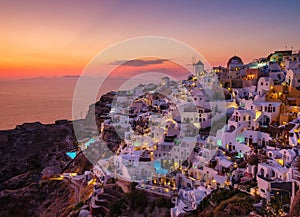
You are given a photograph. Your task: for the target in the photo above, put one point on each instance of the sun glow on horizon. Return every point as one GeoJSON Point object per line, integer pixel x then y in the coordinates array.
{"type": "Point", "coordinates": [60, 38]}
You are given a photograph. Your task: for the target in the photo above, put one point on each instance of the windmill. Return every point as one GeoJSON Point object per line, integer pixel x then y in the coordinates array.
{"type": "Point", "coordinates": [193, 64]}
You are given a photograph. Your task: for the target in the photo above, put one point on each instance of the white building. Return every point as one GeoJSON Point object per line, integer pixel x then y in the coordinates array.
{"type": "Point", "coordinates": [270, 111]}
{"type": "Point", "coordinates": [268, 172]}
{"type": "Point", "coordinates": [294, 135]}
{"type": "Point", "coordinates": [293, 77]}
{"type": "Point", "coordinates": [244, 118]}
{"type": "Point", "coordinates": [264, 84]}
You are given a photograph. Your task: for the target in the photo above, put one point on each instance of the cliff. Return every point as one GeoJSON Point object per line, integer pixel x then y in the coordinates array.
{"type": "Point", "coordinates": [30, 155]}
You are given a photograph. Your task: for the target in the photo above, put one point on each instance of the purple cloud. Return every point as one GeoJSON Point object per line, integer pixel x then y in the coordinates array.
{"type": "Point", "coordinates": [139, 62]}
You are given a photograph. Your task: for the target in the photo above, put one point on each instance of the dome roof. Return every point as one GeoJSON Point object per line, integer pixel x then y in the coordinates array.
{"type": "Point", "coordinates": [235, 60]}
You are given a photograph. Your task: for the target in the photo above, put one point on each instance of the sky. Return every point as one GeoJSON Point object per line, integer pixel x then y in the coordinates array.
{"type": "Point", "coordinates": [58, 38]}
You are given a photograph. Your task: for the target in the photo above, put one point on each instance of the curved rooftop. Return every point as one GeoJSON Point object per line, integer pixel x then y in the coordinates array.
{"type": "Point", "coordinates": [234, 60]}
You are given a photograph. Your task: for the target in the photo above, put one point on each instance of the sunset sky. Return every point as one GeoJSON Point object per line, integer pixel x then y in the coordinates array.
{"type": "Point", "coordinates": [57, 38]}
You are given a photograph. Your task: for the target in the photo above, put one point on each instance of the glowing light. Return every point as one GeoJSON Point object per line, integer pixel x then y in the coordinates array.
{"type": "Point", "coordinates": [57, 178]}
{"type": "Point", "coordinates": [92, 182]}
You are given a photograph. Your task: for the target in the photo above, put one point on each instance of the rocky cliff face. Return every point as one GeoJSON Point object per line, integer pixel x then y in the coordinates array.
{"type": "Point", "coordinates": [30, 155]}
{"type": "Point", "coordinates": [24, 153]}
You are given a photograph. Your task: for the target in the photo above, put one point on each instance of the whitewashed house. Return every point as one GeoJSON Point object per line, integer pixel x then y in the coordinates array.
{"type": "Point", "coordinates": [293, 77]}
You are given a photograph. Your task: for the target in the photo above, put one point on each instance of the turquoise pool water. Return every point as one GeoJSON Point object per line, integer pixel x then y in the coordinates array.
{"type": "Point", "coordinates": [92, 140]}
{"type": "Point", "coordinates": [71, 154]}
{"type": "Point", "coordinates": [158, 169]}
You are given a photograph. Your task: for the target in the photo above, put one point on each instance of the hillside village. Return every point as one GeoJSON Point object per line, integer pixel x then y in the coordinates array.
{"type": "Point", "coordinates": [234, 127]}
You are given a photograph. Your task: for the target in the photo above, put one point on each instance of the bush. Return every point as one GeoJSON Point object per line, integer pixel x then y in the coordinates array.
{"type": "Point", "coordinates": [116, 208]}
{"type": "Point", "coordinates": [203, 204]}
{"type": "Point", "coordinates": [137, 199]}
{"type": "Point", "coordinates": [222, 195]}
{"type": "Point", "coordinates": [133, 185]}
{"type": "Point", "coordinates": [162, 202]}
{"type": "Point", "coordinates": [151, 207]}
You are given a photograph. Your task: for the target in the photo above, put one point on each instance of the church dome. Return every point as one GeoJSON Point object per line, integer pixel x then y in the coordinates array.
{"type": "Point", "coordinates": [234, 60]}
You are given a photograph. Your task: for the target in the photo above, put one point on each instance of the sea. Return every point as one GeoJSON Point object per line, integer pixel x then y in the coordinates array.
{"type": "Point", "coordinates": [38, 99]}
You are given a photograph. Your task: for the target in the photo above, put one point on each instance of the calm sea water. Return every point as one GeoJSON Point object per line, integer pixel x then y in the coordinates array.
{"type": "Point", "coordinates": [42, 99]}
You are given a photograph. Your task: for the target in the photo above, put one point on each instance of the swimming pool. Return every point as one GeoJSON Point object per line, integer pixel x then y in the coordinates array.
{"type": "Point", "coordinates": [158, 169]}
{"type": "Point", "coordinates": [71, 154]}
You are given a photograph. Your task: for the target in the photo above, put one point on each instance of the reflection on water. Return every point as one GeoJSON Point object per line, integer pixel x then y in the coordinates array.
{"type": "Point", "coordinates": [38, 99]}
{"type": "Point", "coordinates": [30, 100]}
